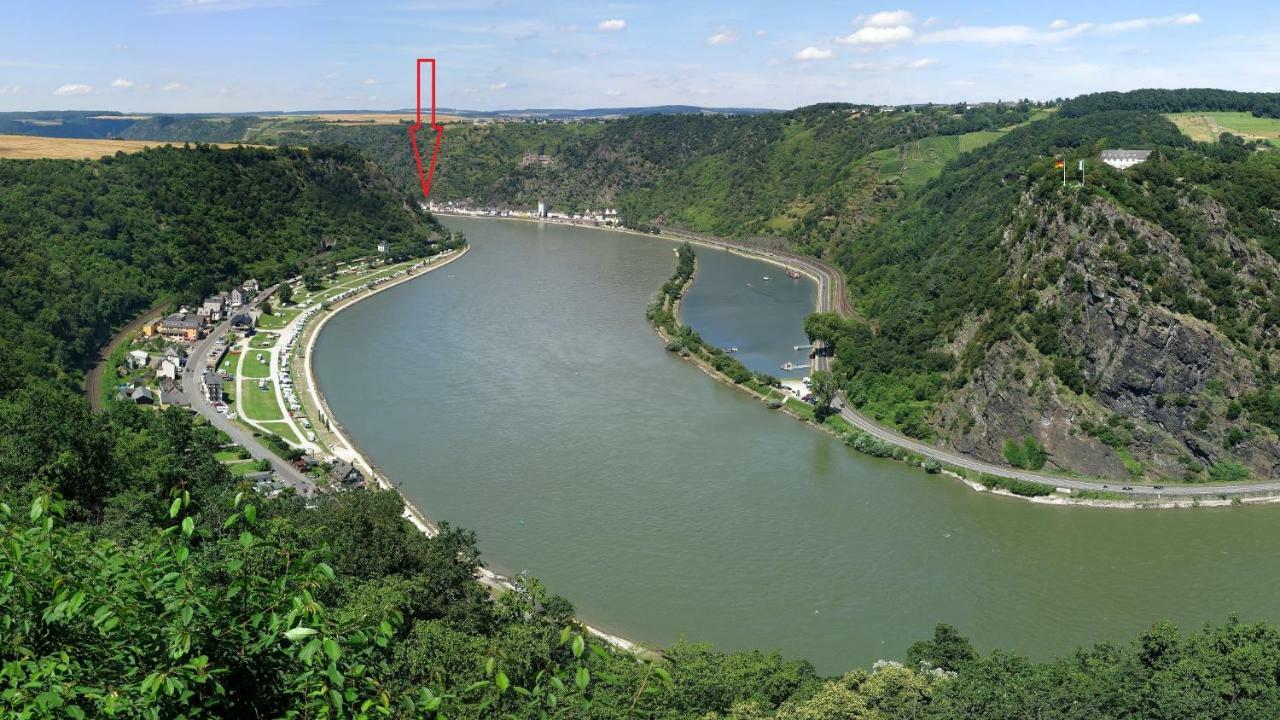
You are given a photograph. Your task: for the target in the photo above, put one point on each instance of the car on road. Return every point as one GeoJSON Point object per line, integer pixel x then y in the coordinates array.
{"type": "Point", "coordinates": [1158, 487]}
{"type": "Point", "coordinates": [1127, 487]}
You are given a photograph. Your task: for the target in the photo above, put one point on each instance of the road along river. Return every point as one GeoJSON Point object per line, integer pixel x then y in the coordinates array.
{"type": "Point", "coordinates": [521, 392]}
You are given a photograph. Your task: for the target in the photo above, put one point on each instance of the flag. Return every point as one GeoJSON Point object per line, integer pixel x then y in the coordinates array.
{"type": "Point", "coordinates": [1059, 163]}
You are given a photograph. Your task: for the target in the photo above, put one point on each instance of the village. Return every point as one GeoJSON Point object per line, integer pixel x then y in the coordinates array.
{"type": "Point", "coordinates": [232, 360]}
{"type": "Point", "coordinates": [607, 217]}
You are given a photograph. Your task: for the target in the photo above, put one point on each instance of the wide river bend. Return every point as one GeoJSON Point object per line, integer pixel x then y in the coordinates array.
{"type": "Point", "coordinates": [520, 392]}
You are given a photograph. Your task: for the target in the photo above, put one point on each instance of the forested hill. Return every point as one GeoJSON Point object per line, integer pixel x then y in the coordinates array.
{"type": "Point", "coordinates": [816, 175]}
{"type": "Point", "coordinates": [85, 246]}
{"type": "Point", "coordinates": [1126, 327]}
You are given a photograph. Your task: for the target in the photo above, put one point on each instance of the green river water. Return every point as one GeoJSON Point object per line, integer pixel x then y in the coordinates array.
{"type": "Point", "coordinates": [520, 392]}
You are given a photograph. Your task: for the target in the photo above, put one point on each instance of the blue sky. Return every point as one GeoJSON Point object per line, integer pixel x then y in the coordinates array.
{"type": "Point", "coordinates": [246, 55]}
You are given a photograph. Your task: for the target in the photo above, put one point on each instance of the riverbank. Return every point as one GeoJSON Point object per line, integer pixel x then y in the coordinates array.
{"type": "Point", "coordinates": [335, 437]}
{"type": "Point", "coordinates": [1063, 490]}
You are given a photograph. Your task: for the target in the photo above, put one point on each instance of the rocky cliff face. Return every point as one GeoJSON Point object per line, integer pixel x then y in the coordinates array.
{"type": "Point", "coordinates": [1106, 366]}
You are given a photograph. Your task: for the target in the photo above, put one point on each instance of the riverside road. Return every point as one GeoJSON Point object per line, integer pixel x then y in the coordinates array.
{"type": "Point", "coordinates": [287, 473]}
{"type": "Point", "coordinates": [832, 297]}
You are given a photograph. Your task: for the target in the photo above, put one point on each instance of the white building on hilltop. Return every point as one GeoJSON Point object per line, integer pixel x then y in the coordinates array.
{"type": "Point", "coordinates": [1124, 159]}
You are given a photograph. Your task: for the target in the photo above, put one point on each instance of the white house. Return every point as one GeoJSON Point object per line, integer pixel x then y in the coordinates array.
{"type": "Point", "coordinates": [168, 369]}
{"type": "Point", "coordinates": [1124, 159]}
{"type": "Point", "coordinates": [137, 359]}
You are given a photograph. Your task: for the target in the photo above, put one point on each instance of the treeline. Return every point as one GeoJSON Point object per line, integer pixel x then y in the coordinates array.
{"type": "Point", "coordinates": [1175, 101]}
{"type": "Point", "coordinates": [85, 246]}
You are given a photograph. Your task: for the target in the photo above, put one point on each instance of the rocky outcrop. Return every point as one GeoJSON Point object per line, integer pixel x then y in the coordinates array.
{"type": "Point", "coordinates": [1156, 385]}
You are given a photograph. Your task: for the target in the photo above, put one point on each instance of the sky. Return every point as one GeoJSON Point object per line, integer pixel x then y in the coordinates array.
{"type": "Point", "coordinates": [259, 55]}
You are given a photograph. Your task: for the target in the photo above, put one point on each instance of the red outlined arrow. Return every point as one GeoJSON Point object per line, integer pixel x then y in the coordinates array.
{"type": "Point", "coordinates": [425, 177]}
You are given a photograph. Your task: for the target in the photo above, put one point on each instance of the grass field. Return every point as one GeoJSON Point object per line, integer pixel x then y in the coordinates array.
{"type": "Point", "coordinates": [283, 430]}
{"type": "Point", "coordinates": [262, 341]}
{"type": "Point", "coordinates": [255, 404]}
{"type": "Point", "coordinates": [243, 467]}
{"type": "Point", "coordinates": [252, 368]}
{"type": "Point", "coordinates": [31, 147]}
{"type": "Point", "coordinates": [278, 319]}
{"type": "Point", "coordinates": [1207, 126]}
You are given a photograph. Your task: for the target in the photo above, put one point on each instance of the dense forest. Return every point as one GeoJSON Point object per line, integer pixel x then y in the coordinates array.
{"type": "Point", "coordinates": [1173, 101]}
{"type": "Point", "coordinates": [85, 246]}
{"type": "Point", "coordinates": [139, 579]}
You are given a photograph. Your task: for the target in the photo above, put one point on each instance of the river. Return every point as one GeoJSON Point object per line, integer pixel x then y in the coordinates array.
{"type": "Point", "coordinates": [520, 392]}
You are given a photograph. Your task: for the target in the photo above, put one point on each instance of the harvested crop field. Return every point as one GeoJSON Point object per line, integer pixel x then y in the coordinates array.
{"type": "Point", "coordinates": [33, 147]}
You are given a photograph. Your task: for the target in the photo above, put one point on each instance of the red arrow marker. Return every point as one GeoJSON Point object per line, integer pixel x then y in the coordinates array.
{"type": "Point", "coordinates": [425, 177]}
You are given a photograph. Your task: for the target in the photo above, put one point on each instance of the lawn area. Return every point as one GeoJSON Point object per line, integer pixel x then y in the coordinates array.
{"type": "Point", "coordinates": [227, 455]}
{"type": "Point", "coordinates": [228, 362]}
{"type": "Point", "coordinates": [282, 429]}
{"type": "Point", "coordinates": [278, 319]}
{"type": "Point", "coordinates": [261, 341]}
{"type": "Point", "coordinates": [1207, 126]}
{"type": "Point", "coordinates": [242, 467]}
{"type": "Point", "coordinates": [253, 368]}
{"type": "Point", "coordinates": [804, 410]}
{"type": "Point", "coordinates": [837, 423]}
{"type": "Point", "coordinates": [258, 404]}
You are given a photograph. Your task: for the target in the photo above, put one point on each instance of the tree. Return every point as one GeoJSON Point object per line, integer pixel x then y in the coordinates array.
{"type": "Point", "coordinates": [824, 386]}
{"type": "Point", "coordinates": [311, 279]}
{"type": "Point", "coordinates": [948, 650]}
{"type": "Point", "coordinates": [285, 294]}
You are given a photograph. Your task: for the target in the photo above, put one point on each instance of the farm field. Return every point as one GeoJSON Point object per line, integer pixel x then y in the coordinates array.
{"type": "Point", "coordinates": [1207, 126]}
{"type": "Point", "coordinates": [32, 147]}
{"type": "Point", "coordinates": [916, 163]}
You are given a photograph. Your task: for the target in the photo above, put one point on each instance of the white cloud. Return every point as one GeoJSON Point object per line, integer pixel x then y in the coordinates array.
{"type": "Point", "coordinates": [922, 63]}
{"type": "Point", "coordinates": [498, 86]}
{"type": "Point", "coordinates": [10, 89]}
{"type": "Point", "coordinates": [121, 83]}
{"type": "Point", "coordinates": [877, 35]}
{"type": "Point", "coordinates": [120, 47]}
{"type": "Point", "coordinates": [613, 24]}
{"type": "Point", "coordinates": [724, 37]}
{"type": "Point", "coordinates": [761, 33]}
{"type": "Point", "coordinates": [568, 29]}
{"type": "Point", "coordinates": [173, 87]}
{"type": "Point", "coordinates": [813, 53]}
{"type": "Point", "coordinates": [613, 92]}
{"type": "Point", "coordinates": [889, 18]}
{"type": "Point", "coordinates": [73, 89]}
{"type": "Point", "coordinates": [369, 81]}
{"type": "Point", "coordinates": [1150, 22]}
{"type": "Point", "coordinates": [931, 21]}
{"type": "Point", "coordinates": [1058, 31]}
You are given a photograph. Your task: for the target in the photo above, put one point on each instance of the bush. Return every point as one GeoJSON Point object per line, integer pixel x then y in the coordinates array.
{"type": "Point", "coordinates": [1017, 487]}
{"type": "Point", "coordinates": [1228, 471]}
